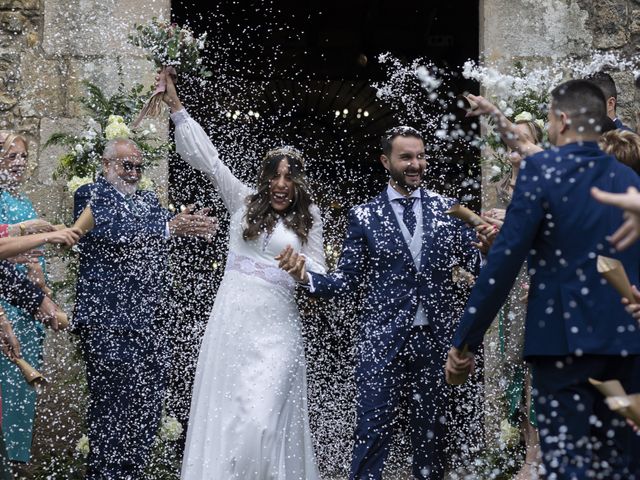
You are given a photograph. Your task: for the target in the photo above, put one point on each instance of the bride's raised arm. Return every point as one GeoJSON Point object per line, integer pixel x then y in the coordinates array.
{"type": "Point", "coordinates": [195, 147]}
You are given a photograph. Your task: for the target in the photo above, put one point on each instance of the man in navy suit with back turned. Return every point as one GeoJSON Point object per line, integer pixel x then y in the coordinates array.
{"type": "Point", "coordinates": [121, 286]}
{"type": "Point", "coordinates": [401, 249]}
{"type": "Point", "coordinates": [576, 326]}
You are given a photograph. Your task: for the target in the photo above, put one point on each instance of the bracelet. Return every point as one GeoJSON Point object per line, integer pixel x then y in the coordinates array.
{"type": "Point", "coordinates": [23, 229]}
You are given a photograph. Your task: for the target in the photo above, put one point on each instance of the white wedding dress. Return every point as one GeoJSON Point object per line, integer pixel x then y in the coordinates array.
{"type": "Point", "coordinates": [249, 416]}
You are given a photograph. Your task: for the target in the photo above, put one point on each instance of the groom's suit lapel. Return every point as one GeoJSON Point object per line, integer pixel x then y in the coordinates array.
{"type": "Point", "coordinates": [388, 220]}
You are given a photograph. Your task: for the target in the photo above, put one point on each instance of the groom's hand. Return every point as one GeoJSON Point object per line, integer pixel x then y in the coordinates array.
{"type": "Point", "coordinates": [293, 263]}
{"type": "Point", "coordinates": [459, 365]}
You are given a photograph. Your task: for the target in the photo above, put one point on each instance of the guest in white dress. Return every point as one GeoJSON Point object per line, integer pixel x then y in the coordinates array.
{"type": "Point", "coordinates": [249, 415]}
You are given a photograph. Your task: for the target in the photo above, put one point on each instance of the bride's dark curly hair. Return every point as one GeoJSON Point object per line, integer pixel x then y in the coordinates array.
{"type": "Point", "coordinates": [260, 217]}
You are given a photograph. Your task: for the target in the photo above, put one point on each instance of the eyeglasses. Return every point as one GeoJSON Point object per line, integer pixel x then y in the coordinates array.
{"type": "Point", "coordinates": [129, 166]}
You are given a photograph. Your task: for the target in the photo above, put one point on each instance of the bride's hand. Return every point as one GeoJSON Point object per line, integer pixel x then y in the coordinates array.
{"type": "Point", "coordinates": [293, 263]}
{"type": "Point", "coordinates": [170, 96]}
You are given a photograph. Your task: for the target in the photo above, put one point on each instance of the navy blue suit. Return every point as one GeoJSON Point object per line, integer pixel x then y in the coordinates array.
{"type": "Point", "coordinates": [576, 326]}
{"type": "Point", "coordinates": [121, 285]}
{"type": "Point", "coordinates": [394, 355]}
{"type": "Point", "coordinates": [17, 290]}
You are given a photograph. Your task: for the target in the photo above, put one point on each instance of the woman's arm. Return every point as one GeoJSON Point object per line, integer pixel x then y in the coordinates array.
{"type": "Point", "coordinates": [505, 127]}
{"type": "Point", "coordinates": [195, 147]}
{"type": "Point", "coordinates": [12, 246]}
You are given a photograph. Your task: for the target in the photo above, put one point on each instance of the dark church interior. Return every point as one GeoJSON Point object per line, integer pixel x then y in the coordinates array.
{"type": "Point", "coordinates": [301, 73]}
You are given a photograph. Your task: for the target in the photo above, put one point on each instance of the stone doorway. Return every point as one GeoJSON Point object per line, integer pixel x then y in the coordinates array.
{"type": "Point", "coordinates": [301, 74]}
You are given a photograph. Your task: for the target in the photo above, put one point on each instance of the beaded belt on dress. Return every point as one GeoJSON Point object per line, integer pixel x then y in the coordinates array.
{"type": "Point", "coordinates": [268, 273]}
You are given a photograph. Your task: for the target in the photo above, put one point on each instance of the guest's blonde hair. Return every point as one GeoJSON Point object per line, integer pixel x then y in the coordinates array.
{"type": "Point", "coordinates": [8, 138]}
{"type": "Point", "coordinates": [624, 145]}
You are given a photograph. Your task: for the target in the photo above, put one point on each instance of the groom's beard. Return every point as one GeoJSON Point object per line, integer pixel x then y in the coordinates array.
{"type": "Point", "coordinates": [119, 184]}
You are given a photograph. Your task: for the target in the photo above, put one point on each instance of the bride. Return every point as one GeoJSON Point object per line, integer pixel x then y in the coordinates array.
{"type": "Point", "coordinates": [249, 417]}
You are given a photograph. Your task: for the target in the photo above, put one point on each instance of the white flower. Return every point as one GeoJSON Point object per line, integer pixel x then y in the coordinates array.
{"type": "Point", "coordinates": [509, 434]}
{"type": "Point", "coordinates": [540, 123]}
{"type": "Point", "coordinates": [152, 128]}
{"type": "Point", "coordinates": [76, 182]}
{"type": "Point", "coordinates": [115, 119]}
{"type": "Point", "coordinates": [523, 117]}
{"type": "Point", "coordinates": [78, 148]}
{"type": "Point", "coordinates": [83, 446]}
{"type": "Point", "coordinates": [495, 170]}
{"type": "Point", "coordinates": [170, 428]}
{"type": "Point", "coordinates": [146, 183]}
{"type": "Point", "coordinates": [116, 130]}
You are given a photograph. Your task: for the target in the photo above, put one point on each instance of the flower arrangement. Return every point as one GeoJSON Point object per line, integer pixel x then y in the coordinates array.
{"type": "Point", "coordinates": [173, 49]}
{"type": "Point", "coordinates": [170, 45]}
{"type": "Point", "coordinates": [82, 446]}
{"type": "Point", "coordinates": [522, 95]}
{"type": "Point", "coordinates": [170, 428]}
{"type": "Point", "coordinates": [108, 118]}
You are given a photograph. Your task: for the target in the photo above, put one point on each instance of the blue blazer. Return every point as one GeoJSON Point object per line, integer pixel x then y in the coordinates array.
{"type": "Point", "coordinates": [621, 126]}
{"type": "Point", "coordinates": [123, 260]}
{"type": "Point", "coordinates": [376, 259]}
{"type": "Point", "coordinates": [554, 220]}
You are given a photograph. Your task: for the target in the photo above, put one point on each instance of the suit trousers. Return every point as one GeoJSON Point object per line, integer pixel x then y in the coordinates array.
{"type": "Point", "coordinates": [126, 379]}
{"type": "Point", "coordinates": [416, 372]}
{"type": "Point", "coordinates": [580, 436]}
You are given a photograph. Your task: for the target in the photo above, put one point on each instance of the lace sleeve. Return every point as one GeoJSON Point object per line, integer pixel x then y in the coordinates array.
{"type": "Point", "coordinates": [195, 147]}
{"type": "Point", "coordinates": [313, 249]}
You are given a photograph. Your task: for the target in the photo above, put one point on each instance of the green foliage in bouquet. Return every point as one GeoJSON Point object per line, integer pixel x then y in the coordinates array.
{"type": "Point", "coordinates": [108, 118]}
{"type": "Point", "coordinates": [170, 45]}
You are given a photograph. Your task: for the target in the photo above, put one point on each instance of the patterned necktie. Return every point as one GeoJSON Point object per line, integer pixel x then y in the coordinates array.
{"type": "Point", "coordinates": [133, 204]}
{"type": "Point", "coordinates": [408, 216]}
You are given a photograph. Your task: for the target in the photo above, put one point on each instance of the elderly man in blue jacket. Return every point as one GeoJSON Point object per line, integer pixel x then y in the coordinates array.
{"type": "Point", "coordinates": [121, 286]}
{"type": "Point", "coordinates": [576, 326]}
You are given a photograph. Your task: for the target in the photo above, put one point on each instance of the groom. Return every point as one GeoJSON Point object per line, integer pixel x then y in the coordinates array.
{"type": "Point", "coordinates": [401, 248]}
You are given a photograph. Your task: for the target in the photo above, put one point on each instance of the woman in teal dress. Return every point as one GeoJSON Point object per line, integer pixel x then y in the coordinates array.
{"type": "Point", "coordinates": [18, 399]}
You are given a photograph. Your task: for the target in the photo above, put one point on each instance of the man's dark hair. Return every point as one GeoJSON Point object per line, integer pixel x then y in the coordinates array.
{"type": "Point", "coordinates": [583, 102]}
{"type": "Point", "coordinates": [402, 131]}
{"type": "Point", "coordinates": [606, 84]}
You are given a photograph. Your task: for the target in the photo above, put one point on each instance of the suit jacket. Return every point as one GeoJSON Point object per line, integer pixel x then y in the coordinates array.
{"type": "Point", "coordinates": [123, 260]}
{"type": "Point", "coordinates": [554, 220]}
{"type": "Point", "coordinates": [621, 126]}
{"type": "Point", "coordinates": [376, 258]}
{"type": "Point", "coordinates": [17, 290]}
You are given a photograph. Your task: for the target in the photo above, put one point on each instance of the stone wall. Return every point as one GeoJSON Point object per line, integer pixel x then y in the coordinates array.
{"type": "Point", "coordinates": [544, 31]}
{"type": "Point", "coordinates": [47, 48]}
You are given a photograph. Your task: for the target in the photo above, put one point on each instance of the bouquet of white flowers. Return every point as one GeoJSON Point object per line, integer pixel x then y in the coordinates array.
{"type": "Point", "coordinates": [173, 49]}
